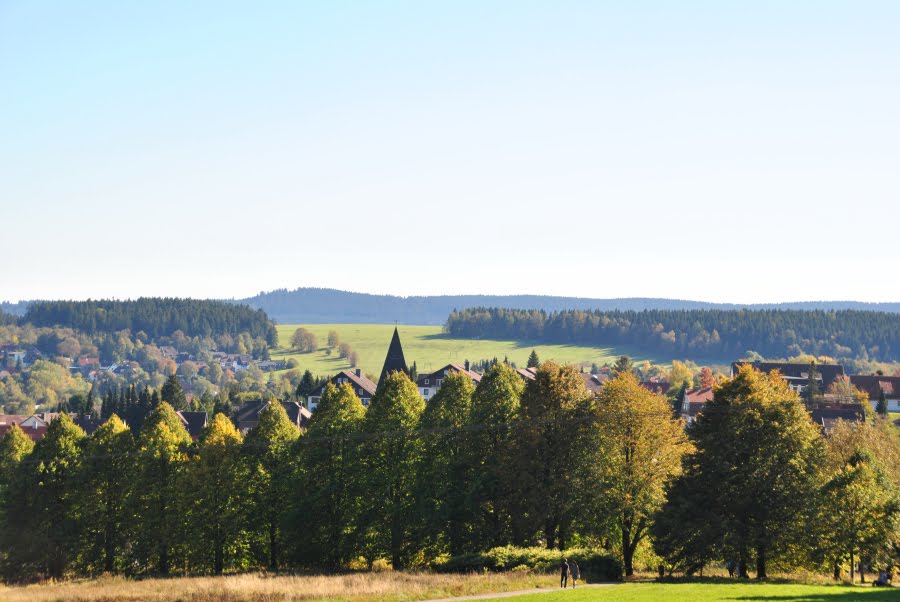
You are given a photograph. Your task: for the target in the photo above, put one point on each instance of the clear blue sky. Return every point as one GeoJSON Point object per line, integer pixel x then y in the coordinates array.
{"type": "Point", "coordinates": [713, 150]}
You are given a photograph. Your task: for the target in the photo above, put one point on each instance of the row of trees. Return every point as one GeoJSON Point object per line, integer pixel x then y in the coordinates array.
{"type": "Point", "coordinates": [155, 316]}
{"type": "Point", "coordinates": [696, 333]}
{"type": "Point", "coordinates": [476, 467]}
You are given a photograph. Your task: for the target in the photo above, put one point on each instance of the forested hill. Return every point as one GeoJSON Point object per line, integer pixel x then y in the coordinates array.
{"type": "Point", "coordinates": [326, 306]}
{"type": "Point", "coordinates": [696, 333]}
{"type": "Point", "coordinates": [155, 316]}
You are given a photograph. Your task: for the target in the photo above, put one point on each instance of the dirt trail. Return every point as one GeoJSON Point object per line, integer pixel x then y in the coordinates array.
{"type": "Point", "coordinates": [521, 592]}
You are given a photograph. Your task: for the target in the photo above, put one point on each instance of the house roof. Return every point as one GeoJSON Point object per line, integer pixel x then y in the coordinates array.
{"type": "Point", "coordinates": [526, 373]}
{"type": "Point", "coordinates": [797, 373]}
{"type": "Point", "coordinates": [248, 414]}
{"type": "Point", "coordinates": [695, 400]}
{"type": "Point", "coordinates": [656, 386]}
{"type": "Point", "coordinates": [194, 422]}
{"type": "Point", "coordinates": [394, 360]}
{"type": "Point", "coordinates": [359, 380]}
{"type": "Point", "coordinates": [594, 382]}
{"type": "Point", "coordinates": [873, 384]}
{"type": "Point", "coordinates": [12, 418]}
{"type": "Point", "coordinates": [826, 417]}
{"type": "Point", "coordinates": [455, 368]}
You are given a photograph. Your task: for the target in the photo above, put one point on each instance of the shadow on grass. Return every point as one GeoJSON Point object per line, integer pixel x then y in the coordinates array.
{"type": "Point", "coordinates": [866, 595]}
{"type": "Point", "coordinates": [836, 592]}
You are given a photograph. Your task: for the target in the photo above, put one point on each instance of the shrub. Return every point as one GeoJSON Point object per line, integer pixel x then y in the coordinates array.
{"type": "Point", "coordinates": [594, 564]}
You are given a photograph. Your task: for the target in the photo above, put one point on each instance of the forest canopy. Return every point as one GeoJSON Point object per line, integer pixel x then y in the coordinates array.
{"type": "Point", "coordinates": [708, 334]}
{"type": "Point", "coordinates": [155, 316]}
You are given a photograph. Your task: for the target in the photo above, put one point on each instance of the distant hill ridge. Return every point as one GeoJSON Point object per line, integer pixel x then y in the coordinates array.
{"type": "Point", "coordinates": [332, 306]}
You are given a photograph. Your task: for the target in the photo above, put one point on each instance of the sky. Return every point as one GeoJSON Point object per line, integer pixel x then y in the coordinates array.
{"type": "Point", "coordinates": [717, 151]}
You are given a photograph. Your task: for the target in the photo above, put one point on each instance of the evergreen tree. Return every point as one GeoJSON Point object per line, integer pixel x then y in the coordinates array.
{"type": "Point", "coordinates": [104, 482]}
{"type": "Point", "coordinates": [219, 512]}
{"type": "Point", "coordinates": [881, 407]}
{"type": "Point", "coordinates": [173, 394]}
{"type": "Point", "coordinates": [389, 462]}
{"type": "Point", "coordinates": [813, 388]}
{"type": "Point", "coordinates": [533, 360]}
{"type": "Point", "coordinates": [623, 365]}
{"type": "Point", "coordinates": [268, 450]}
{"type": "Point", "coordinates": [330, 477]}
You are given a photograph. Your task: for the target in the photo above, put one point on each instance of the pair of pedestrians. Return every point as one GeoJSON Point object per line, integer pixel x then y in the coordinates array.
{"type": "Point", "coordinates": [568, 568]}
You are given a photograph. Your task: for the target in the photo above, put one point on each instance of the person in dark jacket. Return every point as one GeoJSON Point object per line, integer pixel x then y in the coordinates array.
{"type": "Point", "coordinates": [564, 573]}
{"type": "Point", "coordinates": [573, 572]}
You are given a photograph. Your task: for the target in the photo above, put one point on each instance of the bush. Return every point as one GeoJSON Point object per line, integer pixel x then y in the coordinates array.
{"type": "Point", "coordinates": [595, 565]}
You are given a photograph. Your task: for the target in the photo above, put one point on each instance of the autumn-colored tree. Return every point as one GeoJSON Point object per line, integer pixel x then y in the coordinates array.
{"type": "Point", "coordinates": [333, 338]}
{"type": "Point", "coordinates": [304, 341]}
{"type": "Point", "coordinates": [219, 496]}
{"type": "Point", "coordinates": [160, 492]}
{"type": "Point", "coordinates": [641, 451]}
{"type": "Point", "coordinates": [707, 380]}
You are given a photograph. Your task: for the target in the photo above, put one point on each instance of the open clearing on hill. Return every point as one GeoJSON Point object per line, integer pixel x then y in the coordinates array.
{"type": "Point", "coordinates": [428, 346]}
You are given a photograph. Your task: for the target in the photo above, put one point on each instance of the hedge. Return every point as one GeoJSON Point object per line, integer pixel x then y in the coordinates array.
{"type": "Point", "coordinates": [594, 565]}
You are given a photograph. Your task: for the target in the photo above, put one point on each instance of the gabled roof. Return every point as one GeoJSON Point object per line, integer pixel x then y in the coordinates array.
{"type": "Point", "coordinates": [454, 368]}
{"type": "Point", "coordinates": [394, 361]}
{"type": "Point", "coordinates": [526, 373]}
{"type": "Point", "coordinates": [656, 386]}
{"type": "Point", "coordinates": [194, 422]}
{"type": "Point", "coordinates": [827, 417]}
{"type": "Point", "coordinates": [355, 376]}
{"type": "Point", "coordinates": [249, 413]}
{"type": "Point", "coordinates": [873, 384]}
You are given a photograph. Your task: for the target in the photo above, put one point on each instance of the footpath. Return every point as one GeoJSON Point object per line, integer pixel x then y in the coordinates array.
{"type": "Point", "coordinates": [521, 592]}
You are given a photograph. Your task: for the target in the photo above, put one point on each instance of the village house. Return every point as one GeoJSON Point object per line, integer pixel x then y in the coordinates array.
{"type": "Point", "coordinates": [594, 382]}
{"type": "Point", "coordinates": [693, 401]}
{"type": "Point", "coordinates": [362, 386]}
{"type": "Point", "coordinates": [875, 386]}
{"type": "Point", "coordinates": [194, 422]}
{"type": "Point", "coordinates": [797, 375]}
{"type": "Point", "coordinates": [248, 414]}
{"type": "Point", "coordinates": [429, 384]}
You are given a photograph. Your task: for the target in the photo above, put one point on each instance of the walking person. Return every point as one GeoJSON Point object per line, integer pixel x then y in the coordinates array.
{"type": "Point", "coordinates": [564, 573]}
{"type": "Point", "coordinates": [573, 571]}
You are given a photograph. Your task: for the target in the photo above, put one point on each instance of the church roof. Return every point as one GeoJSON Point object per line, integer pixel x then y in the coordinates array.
{"type": "Point", "coordinates": [394, 362]}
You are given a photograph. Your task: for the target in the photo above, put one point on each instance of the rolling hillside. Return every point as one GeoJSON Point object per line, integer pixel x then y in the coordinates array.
{"type": "Point", "coordinates": [330, 306]}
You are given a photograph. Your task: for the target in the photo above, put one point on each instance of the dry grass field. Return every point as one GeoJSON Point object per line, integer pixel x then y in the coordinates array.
{"type": "Point", "coordinates": [386, 586]}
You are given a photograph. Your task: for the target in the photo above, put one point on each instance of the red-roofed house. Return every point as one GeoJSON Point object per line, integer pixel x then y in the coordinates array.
{"type": "Point", "coordinates": [874, 384]}
{"type": "Point", "coordinates": [693, 402]}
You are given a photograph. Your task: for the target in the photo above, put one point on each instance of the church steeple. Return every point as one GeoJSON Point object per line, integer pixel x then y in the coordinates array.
{"type": "Point", "coordinates": [394, 362]}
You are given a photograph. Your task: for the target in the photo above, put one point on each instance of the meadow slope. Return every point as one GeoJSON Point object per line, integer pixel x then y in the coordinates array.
{"type": "Point", "coordinates": [428, 346]}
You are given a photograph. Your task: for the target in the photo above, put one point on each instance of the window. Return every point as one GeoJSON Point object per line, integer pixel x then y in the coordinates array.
{"type": "Point", "coordinates": [426, 381]}
{"type": "Point", "coordinates": [426, 392]}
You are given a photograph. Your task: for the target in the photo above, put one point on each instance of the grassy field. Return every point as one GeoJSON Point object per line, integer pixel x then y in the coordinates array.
{"type": "Point", "coordinates": [703, 592]}
{"type": "Point", "coordinates": [360, 587]}
{"type": "Point", "coordinates": [427, 346]}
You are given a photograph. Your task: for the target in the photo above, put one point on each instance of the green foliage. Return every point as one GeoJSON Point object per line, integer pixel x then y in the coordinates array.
{"type": "Point", "coordinates": [268, 450]}
{"type": "Point", "coordinates": [155, 316]}
{"type": "Point", "coordinates": [709, 333]}
{"type": "Point", "coordinates": [173, 394]}
{"type": "Point", "coordinates": [331, 476]}
{"type": "Point", "coordinates": [595, 565]}
{"type": "Point", "coordinates": [389, 464]}
{"type": "Point", "coordinates": [757, 461]}
{"type": "Point", "coordinates": [533, 360]}
{"type": "Point", "coordinates": [104, 485]}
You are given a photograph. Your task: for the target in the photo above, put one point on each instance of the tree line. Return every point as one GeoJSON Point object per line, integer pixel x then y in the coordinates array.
{"type": "Point", "coordinates": [475, 468]}
{"type": "Point", "coordinates": [720, 334]}
{"type": "Point", "coordinates": [154, 316]}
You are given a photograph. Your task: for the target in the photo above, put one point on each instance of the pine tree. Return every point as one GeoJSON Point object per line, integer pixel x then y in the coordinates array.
{"type": "Point", "coordinates": [881, 407]}
{"type": "Point", "coordinates": [173, 394]}
{"type": "Point", "coordinates": [533, 360]}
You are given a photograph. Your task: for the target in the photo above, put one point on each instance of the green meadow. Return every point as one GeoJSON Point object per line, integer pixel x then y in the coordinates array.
{"type": "Point", "coordinates": [428, 346]}
{"type": "Point", "coordinates": [705, 591]}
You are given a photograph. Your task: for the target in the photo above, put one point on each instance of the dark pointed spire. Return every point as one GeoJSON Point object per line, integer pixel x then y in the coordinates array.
{"type": "Point", "coordinates": [394, 362]}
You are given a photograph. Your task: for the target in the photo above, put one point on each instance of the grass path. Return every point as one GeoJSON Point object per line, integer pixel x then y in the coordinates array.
{"type": "Point", "coordinates": [523, 592]}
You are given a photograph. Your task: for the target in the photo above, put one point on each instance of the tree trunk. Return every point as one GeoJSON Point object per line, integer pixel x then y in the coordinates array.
{"type": "Point", "coordinates": [837, 571]}
{"type": "Point", "coordinates": [852, 567]}
{"type": "Point", "coordinates": [219, 561]}
{"type": "Point", "coordinates": [743, 561]}
{"type": "Point", "coordinates": [761, 564]}
{"type": "Point", "coordinates": [273, 548]}
{"type": "Point", "coordinates": [627, 553]}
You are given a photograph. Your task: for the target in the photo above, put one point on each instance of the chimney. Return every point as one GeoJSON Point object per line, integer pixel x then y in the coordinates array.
{"type": "Point", "coordinates": [358, 371]}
